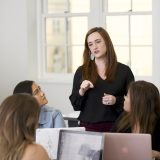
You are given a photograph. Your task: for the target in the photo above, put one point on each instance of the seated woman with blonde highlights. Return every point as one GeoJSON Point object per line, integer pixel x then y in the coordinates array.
{"type": "Point", "coordinates": [19, 115]}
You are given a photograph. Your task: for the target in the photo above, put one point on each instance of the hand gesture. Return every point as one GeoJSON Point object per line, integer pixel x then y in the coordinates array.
{"type": "Point", "coordinates": [85, 86]}
{"type": "Point", "coordinates": [108, 99]}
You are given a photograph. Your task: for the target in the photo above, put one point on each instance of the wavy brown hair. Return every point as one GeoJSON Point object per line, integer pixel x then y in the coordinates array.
{"type": "Point", "coordinates": [18, 121]}
{"type": "Point", "coordinates": [145, 107]}
{"type": "Point", "coordinates": [89, 70]}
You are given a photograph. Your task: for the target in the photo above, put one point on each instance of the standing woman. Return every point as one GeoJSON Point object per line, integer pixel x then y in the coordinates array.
{"type": "Point", "coordinates": [100, 83]}
{"type": "Point", "coordinates": [18, 122]}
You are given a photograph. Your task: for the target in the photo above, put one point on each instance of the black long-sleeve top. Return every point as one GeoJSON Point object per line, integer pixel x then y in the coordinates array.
{"type": "Point", "coordinates": [155, 136]}
{"type": "Point", "coordinates": [90, 105]}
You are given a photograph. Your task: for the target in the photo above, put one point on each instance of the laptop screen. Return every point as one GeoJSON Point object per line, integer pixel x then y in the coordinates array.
{"type": "Point", "coordinates": [79, 145]}
{"type": "Point", "coordinates": [127, 146]}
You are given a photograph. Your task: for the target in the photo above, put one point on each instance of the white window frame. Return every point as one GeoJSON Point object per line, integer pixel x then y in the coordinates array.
{"type": "Point", "coordinates": [95, 18]}
{"type": "Point", "coordinates": [42, 75]}
{"type": "Point", "coordinates": [130, 13]}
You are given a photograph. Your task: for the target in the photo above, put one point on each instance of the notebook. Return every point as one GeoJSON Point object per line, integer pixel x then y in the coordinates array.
{"type": "Point", "coordinates": [79, 145]}
{"type": "Point", "coordinates": [49, 137]}
{"type": "Point", "coordinates": [127, 146]}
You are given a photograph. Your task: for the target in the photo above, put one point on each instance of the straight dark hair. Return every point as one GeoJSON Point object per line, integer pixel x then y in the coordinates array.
{"type": "Point", "coordinates": [24, 87]}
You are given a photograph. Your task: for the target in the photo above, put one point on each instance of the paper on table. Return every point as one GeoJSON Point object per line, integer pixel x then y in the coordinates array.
{"type": "Point", "coordinates": [49, 137]}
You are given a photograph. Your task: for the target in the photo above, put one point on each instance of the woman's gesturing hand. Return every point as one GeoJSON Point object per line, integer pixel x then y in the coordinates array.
{"type": "Point", "coordinates": [108, 99]}
{"type": "Point", "coordinates": [85, 86]}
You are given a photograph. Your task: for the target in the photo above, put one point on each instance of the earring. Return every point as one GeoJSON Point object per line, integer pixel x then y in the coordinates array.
{"type": "Point", "coordinates": [91, 56]}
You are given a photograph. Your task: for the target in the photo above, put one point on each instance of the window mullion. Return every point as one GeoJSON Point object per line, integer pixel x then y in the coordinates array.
{"type": "Point", "coordinates": [66, 44]}
{"type": "Point", "coordinates": [129, 34]}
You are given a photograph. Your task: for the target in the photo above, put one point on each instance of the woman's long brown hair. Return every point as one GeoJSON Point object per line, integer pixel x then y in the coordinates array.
{"type": "Point", "coordinates": [145, 107]}
{"type": "Point", "coordinates": [89, 69]}
{"type": "Point", "coordinates": [19, 115]}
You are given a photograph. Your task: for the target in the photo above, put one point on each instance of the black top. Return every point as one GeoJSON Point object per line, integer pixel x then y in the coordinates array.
{"type": "Point", "coordinates": [90, 105]}
{"type": "Point", "coordinates": [155, 135]}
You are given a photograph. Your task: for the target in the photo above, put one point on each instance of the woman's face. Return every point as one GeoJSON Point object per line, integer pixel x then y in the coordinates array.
{"type": "Point", "coordinates": [39, 94]}
{"type": "Point", "coordinates": [96, 45]}
{"type": "Point", "coordinates": [127, 105]}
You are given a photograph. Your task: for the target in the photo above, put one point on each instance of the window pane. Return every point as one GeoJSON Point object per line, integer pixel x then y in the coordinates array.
{"type": "Point", "coordinates": [125, 5]}
{"type": "Point", "coordinates": [79, 6]}
{"type": "Point", "coordinates": [55, 59]}
{"type": "Point", "coordinates": [142, 5]}
{"type": "Point", "coordinates": [118, 5]}
{"type": "Point", "coordinates": [57, 6]}
{"type": "Point", "coordinates": [74, 6]}
{"type": "Point", "coordinates": [141, 61]}
{"type": "Point", "coordinates": [55, 31]}
{"type": "Point", "coordinates": [77, 31]}
{"type": "Point", "coordinates": [120, 34]}
{"type": "Point", "coordinates": [75, 57]}
{"type": "Point", "coordinates": [141, 30]}
{"type": "Point", "coordinates": [122, 54]}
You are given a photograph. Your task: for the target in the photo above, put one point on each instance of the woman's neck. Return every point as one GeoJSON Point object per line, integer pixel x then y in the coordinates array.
{"type": "Point", "coordinates": [101, 67]}
{"type": "Point", "coordinates": [101, 62]}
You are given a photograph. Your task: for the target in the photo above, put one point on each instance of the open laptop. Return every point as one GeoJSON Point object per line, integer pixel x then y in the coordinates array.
{"type": "Point", "coordinates": [127, 146]}
{"type": "Point", "coordinates": [79, 145]}
{"type": "Point", "coordinates": [49, 137]}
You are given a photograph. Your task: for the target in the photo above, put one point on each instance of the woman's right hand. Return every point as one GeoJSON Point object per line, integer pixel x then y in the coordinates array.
{"type": "Point", "coordinates": [85, 85]}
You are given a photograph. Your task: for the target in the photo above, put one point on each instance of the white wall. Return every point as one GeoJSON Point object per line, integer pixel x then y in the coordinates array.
{"type": "Point", "coordinates": [13, 45]}
{"type": "Point", "coordinates": [156, 42]}
{"type": "Point", "coordinates": [18, 55]}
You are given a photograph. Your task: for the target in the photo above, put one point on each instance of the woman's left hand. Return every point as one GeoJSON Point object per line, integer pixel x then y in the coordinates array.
{"type": "Point", "coordinates": [108, 99]}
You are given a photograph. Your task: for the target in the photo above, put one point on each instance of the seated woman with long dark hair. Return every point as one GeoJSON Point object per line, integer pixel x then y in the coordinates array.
{"type": "Point", "coordinates": [142, 113]}
{"type": "Point", "coordinates": [49, 116]}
